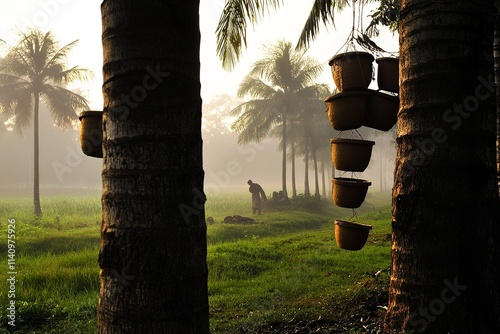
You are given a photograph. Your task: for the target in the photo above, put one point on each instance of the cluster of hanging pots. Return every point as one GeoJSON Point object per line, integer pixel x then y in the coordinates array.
{"type": "Point", "coordinates": [356, 105]}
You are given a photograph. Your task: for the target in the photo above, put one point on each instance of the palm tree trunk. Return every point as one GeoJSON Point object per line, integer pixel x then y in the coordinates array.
{"type": "Point", "coordinates": [333, 176]}
{"type": "Point", "coordinates": [381, 171]}
{"type": "Point", "coordinates": [323, 184]}
{"type": "Point", "coordinates": [36, 158]}
{"type": "Point", "coordinates": [294, 185]}
{"type": "Point", "coordinates": [445, 196]}
{"type": "Point", "coordinates": [496, 54]}
{"type": "Point", "coordinates": [283, 163]}
{"type": "Point", "coordinates": [315, 161]}
{"type": "Point", "coordinates": [307, 192]}
{"type": "Point", "coordinates": [152, 257]}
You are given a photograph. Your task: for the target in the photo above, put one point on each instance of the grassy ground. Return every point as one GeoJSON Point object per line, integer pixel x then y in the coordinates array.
{"type": "Point", "coordinates": [281, 274]}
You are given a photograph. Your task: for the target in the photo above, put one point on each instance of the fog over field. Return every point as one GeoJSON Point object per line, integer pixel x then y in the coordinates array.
{"type": "Point", "coordinates": [64, 168]}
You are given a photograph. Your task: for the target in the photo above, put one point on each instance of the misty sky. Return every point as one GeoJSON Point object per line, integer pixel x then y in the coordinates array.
{"type": "Point", "coordinates": [71, 20]}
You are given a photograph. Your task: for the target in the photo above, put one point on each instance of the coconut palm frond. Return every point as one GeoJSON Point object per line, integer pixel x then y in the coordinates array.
{"type": "Point", "coordinates": [318, 91]}
{"type": "Point", "coordinates": [63, 104]}
{"type": "Point", "coordinates": [231, 34]}
{"type": "Point", "coordinates": [321, 11]}
{"type": "Point", "coordinates": [255, 87]}
{"type": "Point", "coordinates": [307, 74]}
{"type": "Point", "coordinates": [262, 68]}
{"type": "Point", "coordinates": [61, 55]}
{"type": "Point", "coordinates": [15, 99]}
{"type": "Point", "coordinates": [249, 105]}
{"type": "Point", "coordinates": [12, 91]}
{"type": "Point", "coordinates": [16, 64]}
{"type": "Point", "coordinates": [58, 75]}
{"type": "Point", "coordinates": [23, 102]}
{"type": "Point", "coordinates": [232, 26]}
{"type": "Point", "coordinates": [251, 126]}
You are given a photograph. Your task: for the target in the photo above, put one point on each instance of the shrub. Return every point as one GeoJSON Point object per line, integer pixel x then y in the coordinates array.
{"type": "Point", "coordinates": [301, 202]}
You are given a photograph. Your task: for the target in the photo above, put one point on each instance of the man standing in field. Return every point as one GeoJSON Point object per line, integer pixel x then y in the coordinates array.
{"type": "Point", "coordinates": [257, 192]}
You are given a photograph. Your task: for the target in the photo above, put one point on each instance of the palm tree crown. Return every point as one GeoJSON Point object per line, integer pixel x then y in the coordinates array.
{"type": "Point", "coordinates": [35, 71]}
{"type": "Point", "coordinates": [282, 87]}
{"type": "Point", "coordinates": [37, 67]}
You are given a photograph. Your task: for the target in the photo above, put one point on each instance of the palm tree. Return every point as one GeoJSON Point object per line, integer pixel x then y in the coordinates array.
{"type": "Point", "coordinates": [281, 85]}
{"type": "Point", "coordinates": [152, 257]}
{"type": "Point", "coordinates": [33, 72]}
{"type": "Point", "coordinates": [445, 250]}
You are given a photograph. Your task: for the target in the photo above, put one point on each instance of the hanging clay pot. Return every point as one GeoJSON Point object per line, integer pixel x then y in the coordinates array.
{"type": "Point", "coordinates": [349, 192]}
{"type": "Point", "coordinates": [91, 133]}
{"type": "Point", "coordinates": [388, 74]}
{"type": "Point", "coordinates": [351, 154]}
{"type": "Point", "coordinates": [351, 236]}
{"type": "Point", "coordinates": [347, 110]}
{"type": "Point", "coordinates": [352, 70]}
{"type": "Point", "coordinates": [382, 111]}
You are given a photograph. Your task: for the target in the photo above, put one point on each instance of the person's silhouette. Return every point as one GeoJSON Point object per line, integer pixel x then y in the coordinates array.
{"type": "Point", "coordinates": [257, 193]}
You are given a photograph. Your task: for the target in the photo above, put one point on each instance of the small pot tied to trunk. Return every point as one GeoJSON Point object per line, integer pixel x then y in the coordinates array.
{"type": "Point", "coordinates": [350, 235]}
{"type": "Point", "coordinates": [352, 70]}
{"type": "Point", "coordinates": [91, 133]}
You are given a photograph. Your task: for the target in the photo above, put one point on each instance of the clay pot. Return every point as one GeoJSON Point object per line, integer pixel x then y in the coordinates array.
{"type": "Point", "coordinates": [351, 236]}
{"type": "Point", "coordinates": [91, 133]}
{"type": "Point", "coordinates": [382, 111]}
{"type": "Point", "coordinates": [349, 192]}
{"type": "Point", "coordinates": [351, 154]}
{"type": "Point", "coordinates": [388, 74]}
{"type": "Point", "coordinates": [352, 70]}
{"type": "Point", "coordinates": [347, 110]}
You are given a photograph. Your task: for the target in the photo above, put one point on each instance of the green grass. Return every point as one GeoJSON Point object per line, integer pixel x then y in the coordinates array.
{"type": "Point", "coordinates": [283, 270]}
{"type": "Point", "coordinates": [287, 268]}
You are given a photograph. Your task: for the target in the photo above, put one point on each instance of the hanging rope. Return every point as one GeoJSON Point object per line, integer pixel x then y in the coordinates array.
{"type": "Point", "coordinates": [356, 34]}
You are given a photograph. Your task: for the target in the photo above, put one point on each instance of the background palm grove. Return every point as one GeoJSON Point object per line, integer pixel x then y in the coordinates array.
{"type": "Point", "coordinates": [173, 168]}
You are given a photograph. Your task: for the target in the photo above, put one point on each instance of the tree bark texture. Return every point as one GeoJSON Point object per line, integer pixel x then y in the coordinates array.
{"type": "Point", "coordinates": [444, 275]}
{"type": "Point", "coordinates": [496, 54]}
{"type": "Point", "coordinates": [153, 272]}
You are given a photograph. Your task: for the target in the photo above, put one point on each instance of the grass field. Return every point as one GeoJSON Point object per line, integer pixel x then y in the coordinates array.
{"type": "Point", "coordinates": [282, 273]}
